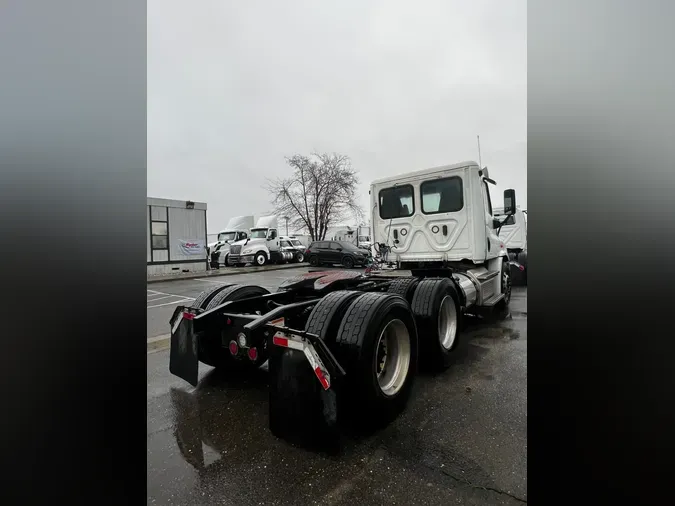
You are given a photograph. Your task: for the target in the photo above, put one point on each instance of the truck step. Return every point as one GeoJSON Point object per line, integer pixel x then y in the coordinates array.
{"type": "Point", "coordinates": [487, 276]}
{"type": "Point", "coordinates": [493, 300]}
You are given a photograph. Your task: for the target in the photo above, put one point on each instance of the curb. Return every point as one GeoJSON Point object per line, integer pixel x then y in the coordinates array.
{"type": "Point", "coordinates": [159, 343]}
{"type": "Point", "coordinates": [226, 271]}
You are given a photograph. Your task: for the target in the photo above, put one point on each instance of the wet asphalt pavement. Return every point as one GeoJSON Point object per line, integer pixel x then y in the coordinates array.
{"type": "Point", "coordinates": [461, 440]}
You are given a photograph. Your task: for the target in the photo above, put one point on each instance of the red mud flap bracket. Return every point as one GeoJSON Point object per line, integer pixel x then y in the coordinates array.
{"type": "Point", "coordinates": [184, 358]}
{"type": "Point", "coordinates": [301, 344]}
{"type": "Point", "coordinates": [515, 264]}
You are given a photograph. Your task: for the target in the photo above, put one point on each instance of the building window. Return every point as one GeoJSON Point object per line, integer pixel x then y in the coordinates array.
{"type": "Point", "coordinates": [159, 229]}
{"type": "Point", "coordinates": [442, 195]}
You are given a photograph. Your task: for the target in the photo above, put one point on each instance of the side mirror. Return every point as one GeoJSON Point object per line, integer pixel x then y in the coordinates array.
{"type": "Point", "coordinates": [496, 223]}
{"type": "Point", "coordinates": [509, 202]}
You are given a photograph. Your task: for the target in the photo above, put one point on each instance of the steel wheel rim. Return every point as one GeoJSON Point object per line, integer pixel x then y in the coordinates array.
{"type": "Point", "coordinates": [301, 257]}
{"type": "Point", "coordinates": [447, 322]}
{"type": "Point", "coordinates": [392, 357]}
{"type": "Point", "coordinates": [260, 259]}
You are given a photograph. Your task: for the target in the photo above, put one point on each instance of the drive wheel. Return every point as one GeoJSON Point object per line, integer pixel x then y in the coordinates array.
{"type": "Point", "coordinates": [436, 309]}
{"type": "Point", "coordinates": [377, 343]}
{"type": "Point", "coordinates": [298, 405]}
{"type": "Point", "coordinates": [404, 287]}
{"type": "Point", "coordinates": [501, 310]}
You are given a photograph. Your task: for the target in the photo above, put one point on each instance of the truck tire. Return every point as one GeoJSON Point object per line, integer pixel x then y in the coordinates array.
{"type": "Point", "coordinates": [376, 344]}
{"type": "Point", "coordinates": [298, 406]}
{"type": "Point", "coordinates": [325, 318]}
{"type": "Point", "coordinates": [260, 258]}
{"type": "Point", "coordinates": [437, 313]}
{"type": "Point", "coordinates": [405, 287]}
{"type": "Point", "coordinates": [205, 297]}
{"type": "Point", "coordinates": [300, 257]}
{"type": "Point", "coordinates": [314, 260]}
{"type": "Point", "coordinates": [501, 310]}
{"type": "Point", "coordinates": [211, 350]}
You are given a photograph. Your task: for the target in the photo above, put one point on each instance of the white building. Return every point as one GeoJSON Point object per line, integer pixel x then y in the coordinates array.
{"type": "Point", "coordinates": [176, 236]}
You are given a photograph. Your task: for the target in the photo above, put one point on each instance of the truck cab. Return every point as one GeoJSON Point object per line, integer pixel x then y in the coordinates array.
{"type": "Point", "coordinates": [261, 247]}
{"type": "Point", "coordinates": [442, 219]}
{"type": "Point", "coordinates": [438, 215]}
{"type": "Point", "coordinates": [236, 230]}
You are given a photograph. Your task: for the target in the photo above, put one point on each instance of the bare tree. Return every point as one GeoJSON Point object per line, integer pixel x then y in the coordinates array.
{"type": "Point", "coordinates": [321, 191]}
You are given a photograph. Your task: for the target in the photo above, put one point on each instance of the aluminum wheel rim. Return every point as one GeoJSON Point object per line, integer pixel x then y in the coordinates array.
{"type": "Point", "coordinates": [301, 257]}
{"type": "Point", "coordinates": [260, 259]}
{"type": "Point", "coordinates": [392, 357]}
{"type": "Point", "coordinates": [447, 322]}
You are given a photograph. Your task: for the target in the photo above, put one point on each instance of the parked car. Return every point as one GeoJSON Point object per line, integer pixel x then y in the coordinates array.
{"type": "Point", "coordinates": [335, 252]}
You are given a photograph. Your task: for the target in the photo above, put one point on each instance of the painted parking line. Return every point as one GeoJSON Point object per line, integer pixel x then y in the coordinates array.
{"type": "Point", "coordinates": [185, 299]}
{"type": "Point", "coordinates": [161, 297]}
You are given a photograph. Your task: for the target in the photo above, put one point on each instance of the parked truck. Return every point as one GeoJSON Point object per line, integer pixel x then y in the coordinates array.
{"type": "Point", "coordinates": [344, 345]}
{"type": "Point", "coordinates": [514, 235]}
{"type": "Point", "coordinates": [261, 247]}
{"type": "Point", "coordinates": [237, 229]}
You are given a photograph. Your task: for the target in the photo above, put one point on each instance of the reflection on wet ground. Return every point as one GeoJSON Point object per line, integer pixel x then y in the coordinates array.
{"type": "Point", "coordinates": [461, 440]}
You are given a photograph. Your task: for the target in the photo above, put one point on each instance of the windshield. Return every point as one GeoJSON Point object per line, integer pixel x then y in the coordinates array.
{"type": "Point", "coordinates": [285, 244]}
{"type": "Point", "coordinates": [261, 233]}
{"type": "Point", "coordinates": [227, 236]}
{"type": "Point", "coordinates": [296, 243]}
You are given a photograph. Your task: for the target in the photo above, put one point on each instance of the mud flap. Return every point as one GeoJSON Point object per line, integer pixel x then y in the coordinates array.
{"type": "Point", "coordinates": [183, 359]}
{"type": "Point", "coordinates": [301, 411]}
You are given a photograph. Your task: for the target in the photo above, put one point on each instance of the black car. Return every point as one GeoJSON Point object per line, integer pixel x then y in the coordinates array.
{"type": "Point", "coordinates": [335, 252]}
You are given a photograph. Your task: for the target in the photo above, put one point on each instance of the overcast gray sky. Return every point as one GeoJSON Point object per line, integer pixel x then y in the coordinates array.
{"type": "Point", "coordinates": [234, 86]}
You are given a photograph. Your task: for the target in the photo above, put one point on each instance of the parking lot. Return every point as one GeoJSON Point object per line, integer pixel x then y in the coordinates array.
{"type": "Point", "coordinates": [461, 440]}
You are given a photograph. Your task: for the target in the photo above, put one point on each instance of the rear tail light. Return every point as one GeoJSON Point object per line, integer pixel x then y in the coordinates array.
{"type": "Point", "coordinates": [307, 251]}
{"type": "Point", "coordinates": [252, 354]}
{"type": "Point", "coordinates": [233, 348]}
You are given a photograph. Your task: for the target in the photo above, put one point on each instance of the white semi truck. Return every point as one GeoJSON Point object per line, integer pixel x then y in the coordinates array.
{"type": "Point", "coordinates": [237, 229]}
{"type": "Point", "coordinates": [261, 247]}
{"type": "Point", "coordinates": [344, 345]}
